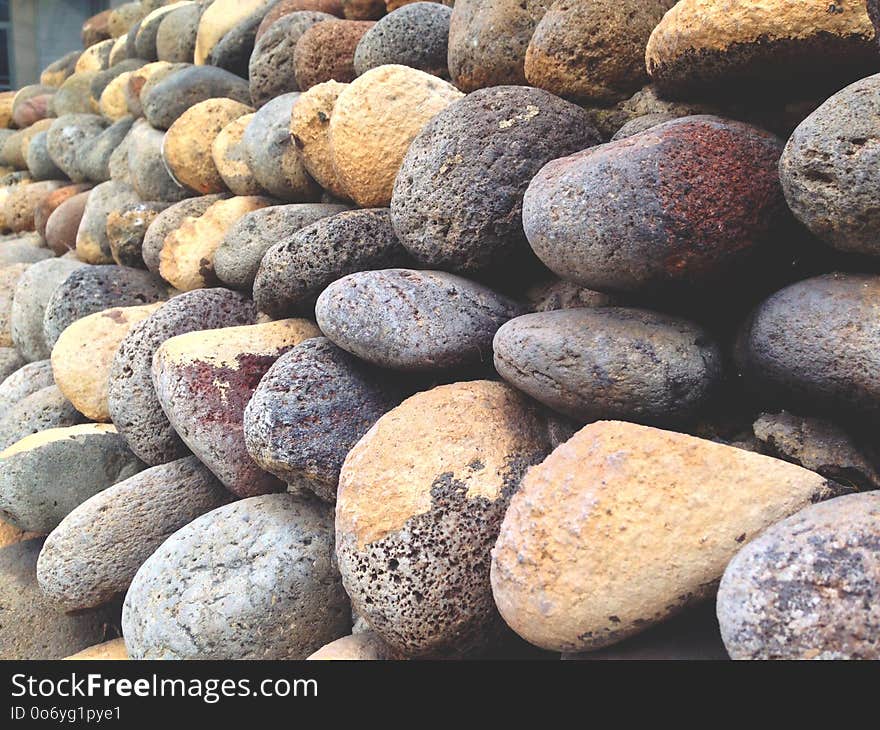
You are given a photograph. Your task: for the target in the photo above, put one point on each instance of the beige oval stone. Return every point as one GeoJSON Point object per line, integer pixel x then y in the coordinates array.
{"type": "Point", "coordinates": [230, 157]}
{"type": "Point", "coordinates": [83, 355]}
{"type": "Point", "coordinates": [375, 119]}
{"type": "Point", "coordinates": [217, 20]}
{"type": "Point", "coordinates": [19, 206]}
{"type": "Point", "coordinates": [187, 257]}
{"type": "Point", "coordinates": [355, 648]}
{"type": "Point", "coordinates": [95, 58]}
{"type": "Point", "coordinates": [109, 650]}
{"type": "Point", "coordinates": [188, 144]}
{"type": "Point", "coordinates": [138, 79]}
{"type": "Point", "coordinates": [113, 103]}
{"type": "Point", "coordinates": [624, 525]}
{"type": "Point", "coordinates": [310, 128]}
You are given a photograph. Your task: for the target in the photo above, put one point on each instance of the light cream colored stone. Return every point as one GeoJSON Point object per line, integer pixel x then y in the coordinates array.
{"type": "Point", "coordinates": [113, 103]}
{"type": "Point", "coordinates": [95, 58]}
{"type": "Point", "coordinates": [109, 650]}
{"type": "Point", "coordinates": [310, 128]}
{"type": "Point", "coordinates": [358, 647]}
{"type": "Point", "coordinates": [230, 158]}
{"type": "Point", "coordinates": [9, 276]}
{"type": "Point", "coordinates": [217, 20]}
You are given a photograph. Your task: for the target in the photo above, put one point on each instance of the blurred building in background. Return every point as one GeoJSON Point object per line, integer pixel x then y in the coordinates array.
{"type": "Point", "coordinates": [33, 33]}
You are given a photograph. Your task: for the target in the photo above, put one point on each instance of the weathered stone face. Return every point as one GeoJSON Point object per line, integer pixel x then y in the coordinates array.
{"type": "Point", "coordinates": [229, 155]}
{"type": "Point", "coordinates": [325, 52]}
{"type": "Point", "coordinates": [170, 220]}
{"type": "Point", "coordinates": [26, 380]}
{"type": "Point", "coordinates": [43, 409]}
{"type": "Point", "coordinates": [165, 101]}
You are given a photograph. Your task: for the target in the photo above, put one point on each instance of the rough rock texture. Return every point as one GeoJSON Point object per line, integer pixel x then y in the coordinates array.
{"type": "Point", "coordinates": [610, 363]}
{"type": "Point", "coordinates": [9, 276]}
{"type": "Point", "coordinates": [186, 258]}
{"type": "Point", "coordinates": [272, 155]}
{"type": "Point", "coordinates": [325, 52]}
{"type": "Point", "coordinates": [416, 35]}
{"type": "Point", "coordinates": [43, 409]}
{"type": "Point", "coordinates": [357, 647]}
{"type": "Point", "coordinates": [92, 289]}
{"type": "Point", "coordinates": [176, 35]}
{"type": "Point", "coordinates": [45, 475]}
{"type": "Point", "coordinates": [284, 8]}
{"type": "Point", "coordinates": [95, 58]}
{"type": "Point", "coordinates": [596, 217]}
{"type": "Point", "coordinates": [84, 352]}
{"type": "Point", "coordinates": [92, 244]}
{"type": "Point", "coordinates": [63, 223]}
{"type": "Point", "coordinates": [413, 320]}
{"type": "Point", "coordinates": [812, 342]}
{"type": "Point", "coordinates": [204, 380]}
{"type": "Point", "coordinates": [272, 71]}
{"type": "Point", "coordinates": [134, 407]}
{"type": "Point", "coordinates": [807, 587]}
{"type": "Point", "coordinates": [553, 294]}
{"type": "Point", "coordinates": [187, 600]}
{"type": "Point", "coordinates": [32, 628]}
{"type": "Point", "coordinates": [39, 162]}
{"type": "Point", "coordinates": [309, 410]}
{"type": "Point", "coordinates": [234, 50]}
{"type": "Point", "coordinates": [57, 72]}
{"type": "Point", "coordinates": [624, 526]}
{"type": "Point", "coordinates": [32, 293]}
{"type": "Point", "coordinates": [93, 157]}
{"type": "Point", "coordinates": [18, 208]}
{"type": "Point", "coordinates": [149, 174]}
{"type": "Point", "coordinates": [126, 229]}
{"type": "Point", "coordinates": [827, 166]}
{"type": "Point", "coordinates": [420, 500]}
{"type": "Point", "coordinates": [296, 269]}
{"type": "Point", "coordinates": [22, 252]}
{"type": "Point", "coordinates": [238, 257]}
{"type": "Point", "coordinates": [178, 91]}
{"type": "Point", "coordinates": [643, 123]}
{"type": "Point", "coordinates": [480, 55]}
{"type": "Point", "coordinates": [229, 155]}
{"type": "Point", "coordinates": [96, 550]}
{"type": "Point", "coordinates": [170, 220]}
{"type": "Point", "coordinates": [457, 201]}
{"type": "Point", "coordinates": [148, 30]}
{"type": "Point", "coordinates": [67, 136]}
{"type": "Point", "coordinates": [26, 380]}
{"type": "Point", "coordinates": [776, 46]}
{"type": "Point", "coordinates": [143, 79]}
{"type": "Point", "coordinates": [375, 119]}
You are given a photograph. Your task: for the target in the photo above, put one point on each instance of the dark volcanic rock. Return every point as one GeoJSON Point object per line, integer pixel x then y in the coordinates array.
{"type": "Point", "coordinates": [176, 93]}
{"type": "Point", "coordinates": [67, 136]}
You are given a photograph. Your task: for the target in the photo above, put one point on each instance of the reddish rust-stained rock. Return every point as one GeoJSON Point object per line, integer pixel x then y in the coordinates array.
{"type": "Point", "coordinates": [363, 9]}
{"type": "Point", "coordinates": [287, 7]}
{"type": "Point", "coordinates": [673, 207]}
{"type": "Point", "coordinates": [204, 381]}
{"type": "Point", "coordinates": [63, 223]}
{"type": "Point", "coordinates": [325, 52]}
{"type": "Point", "coordinates": [48, 205]}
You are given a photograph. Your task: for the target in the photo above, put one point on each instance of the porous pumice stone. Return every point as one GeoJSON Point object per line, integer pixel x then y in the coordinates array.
{"type": "Point", "coordinates": [421, 497]}
{"type": "Point", "coordinates": [189, 141]}
{"type": "Point", "coordinates": [457, 201]}
{"type": "Point", "coordinates": [479, 55]}
{"type": "Point", "coordinates": [311, 407]}
{"type": "Point", "coordinates": [272, 71]}
{"type": "Point", "coordinates": [170, 220]}
{"type": "Point", "coordinates": [83, 355]}
{"type": "Point", "coordinates": [363, 9]}
{"type": "Point", "coordinates": [43, 409]}
{"type": "Point", "coordinates": [32, 294]}
{"type": "Point", "coordinates": [34, 629]}
{"type": "Point", "coordinates": [416, 321]}
{"type": "Point", "coordinates": [625, 525]}
{"type": "Point", "coordinates": [416, 36]}
{"type": "Point", "coordinates": [126, 229]}
{"type": "Point", "coordinates": [593, 52]}
{"type": "Point", "coordinates": [749, 48]}
{"type": "Point", "coordinates": [806, 587]}
{"type": "Point", "coordinates": [106, 651]}
{"type": "Point", "coordinates": [95, 58]}
{"type": "Point", "coordinates": [10, 361]}
{"type": "Point", "coordinates": [176, 35]}
{"type": "Point", "coordinates": [611, 363]}
{"type": "Point", "coordinates": [310, 131]}
{"type": "Point", "coordinates": [73, 96]}
{"type": "Point", "coordinates": [67, 136]}
{"type": "Point", "coordinates": [94, 553]}
{"type": "Point", "coordinates": [296, 269]}
{"type": "Point", "coordinates": [800, 343]}
{"type": "Point", "coordinates": [645, 222]}
{"type": "Point", "coordinates": [134, 408]}
{"type": "Point", "coordinates": [148, 173]}
{"type": "Point", "coordinates": [204, 380]}
{"type": "Point", "coordinates": [826, 167]}
{"type": "Point", "coordinates": [9, 276]}
{"type": "Point", "coordinates": [92, 244]}
{"type": "Point", "coordinates": [182, 605]}
{"type": "Point", "coordinates": [63, 223]}
{"type": "Point", "coordinates": [18, 208]}
{"type": "Point", "coordinates": [237, 258]}
{"type": "Point", "coordinates": [272, 156]}
{"type": "Point", "coordinates": [284, 8]}
{"type": "Point", "coordinates": [57, 72]}
{"type": "Point", "coordinates": [45, 475]}
{"type": "Point", "coordinates": [368, 148]}
{"type": "Point", "coordinates": [217, 20]}
{"type": "Point", "coordinates": [363, 647]}
{"type": "Point", "coordinates": [185, 260]}
{"type": "Point", "coordinates": [325, 52]}
{"type": "Point", "coordinates": [230, 159]}
{"type": "Point", "coordinates": [164, 101]}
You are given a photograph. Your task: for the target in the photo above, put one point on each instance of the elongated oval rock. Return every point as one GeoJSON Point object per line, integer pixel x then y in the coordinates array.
{"type": "Point", "coordinates": [457, 201]}
{"type": "Point", "coordinates": [126, 229]}
{"type": "Point", "coordinates": [50, 203]}
{"type": "Point", "coordinates": [83, 356]}
{"type": "Point", "coordinates": [26, 380]}
{"type": "Point", "coordinates": [164, 102]}
{"type": "Point", "coordinates": [92, 244]}
{"type": "Point", "coordinates": [296, 269]}
{"type": "Point", "coordinates": [624, 525]}
{"type": "Point", "coordinates": [170, 220]}
{"type": "Point", "coordinates": [217, 20]}
{"type": "Point", "coordinates": [421, 498]}
{"type": "Point", "coordinates": [186, 601]}
{"type": "Point", "coordinates": [309, 410]}
{"type": "Point", "coordinates": [610, 363]}
{"type": "Point", "coordinates": [134, 408]}
{"type": "Point", "coordinates": [413, 320]}
{"type": "Point", "coordinates": [806, 588]}
{"type": "Point", "coordinates": [634, 215]}
{"type": "Point", "coordinates": [9, 276]}
{"type": "Point", "coordinates": [229, 154]}
{"type": "Point", "coordinates": [176, 34]}
{"type": "Point", "coordinates": [204, 380]}
{"type": "Point", "coordinates": [63, 223]}
{"type": "Point", "coordinates": [41, 410]}
{"type": "Point", "coordinates": [146, 165]}
{"type": "Point", "coordinates": [67, 135]}
{"type": "Point", "coordinates": [45, 475]}
{"type": "Point", "coordinates": [96, 550]}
